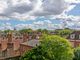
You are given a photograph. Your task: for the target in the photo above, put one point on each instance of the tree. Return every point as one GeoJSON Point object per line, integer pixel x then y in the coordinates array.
{"type": "Point", "coordinates": [60, 47]}
{"type": "Point", "coordinates": [51, 48]}
{"type": "Point", "coordinates": [77, 53]}
{"type": "Point", "coordinates": [37, 53]}
{"type": "Point", "coordinates": [25, 31]}
{"type": "Point", "coordinates": [63, 32]}
{"type": "Point", "coordinates": [7, 31]}
{"type": "Point", "coordinates": [39, 30]}
{"type": "Point", "coordinates": [44, 31]}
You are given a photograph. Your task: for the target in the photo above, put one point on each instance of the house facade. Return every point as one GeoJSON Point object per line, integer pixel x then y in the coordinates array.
{"type": "Point", "coordinates": [9, 45]}
{"type": "Point", "coordinates": [74, 38]}
{"type": "Point", "coordinates": [14, 44]}
{"type": "Point", "coordinates": [28, 45]}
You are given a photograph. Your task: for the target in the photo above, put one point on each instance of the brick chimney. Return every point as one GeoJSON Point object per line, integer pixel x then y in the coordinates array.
{"type": "Point", "coordinates": [9, 36]}
{"type": "Point", "coordinates": [25, 37]}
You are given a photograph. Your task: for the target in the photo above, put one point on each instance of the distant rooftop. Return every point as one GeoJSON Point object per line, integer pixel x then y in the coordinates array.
{"type": "Point", "coordinates": [32, 43]}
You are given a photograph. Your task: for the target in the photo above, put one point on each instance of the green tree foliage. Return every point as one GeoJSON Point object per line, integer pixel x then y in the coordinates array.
{"type": "Point", "coordinates": [25, 31]}
{"type": "Point", "coordinates": [44, 31]}
{"type": "Point", "coordinates": [39, 30]}
{"type": "Point", "coordinates": [7, 31]}
{"type": "Point", "coordinates": [63, 32]}
{"type": "Point", "coordinates": [51, 48]}
{"type": "Point", "coordinates": [77, 53]}
{"type": "Point", "coordinates": [37, 53]}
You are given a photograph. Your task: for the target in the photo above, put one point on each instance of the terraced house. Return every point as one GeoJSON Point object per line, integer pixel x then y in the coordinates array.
{"type": "Point", "coordinates": [74, 38]}
{"type": "Point", "coordinates": [14, 44]}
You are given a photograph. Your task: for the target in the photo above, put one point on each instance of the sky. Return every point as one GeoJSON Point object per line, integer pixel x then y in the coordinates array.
{"type": "Point", "coordinates": [39, 14]}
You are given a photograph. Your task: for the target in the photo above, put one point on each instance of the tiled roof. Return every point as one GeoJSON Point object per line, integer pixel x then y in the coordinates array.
{"type": "Point", "coordinates": [76, 32]}
{"type": "Point", "coordinates": [76, 37]}
{"type": "Point", "coordinates": [17, 34]}
{"type": "Point", "coordinates": [32, 43]}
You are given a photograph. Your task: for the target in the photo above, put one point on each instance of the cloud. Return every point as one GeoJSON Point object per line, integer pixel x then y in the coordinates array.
{"type": "Point", "coordinates": [46, 24]}
{"type": "Point", "coordinates": [3, 6]}
{"type": "Point", "coordinates": [24, 26]}
{"type": "Point", "coordinates": [70, 8]}
{"type": "Point", "coordinates": [6, 26]}
{"type": "Point", "coordinates": [23, 9]}
{"type": "Point", "coordinates": [73, 1]}
{"type": "Point", "coordinates": [51, 7]}
{"type": "Point", "coordinates": [32, 9]}
{"type": "Point", "coordinates": [75, 25]}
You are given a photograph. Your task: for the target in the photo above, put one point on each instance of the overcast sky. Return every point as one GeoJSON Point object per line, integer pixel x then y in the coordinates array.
{"type": "Point", "coordinates": [35, 14]}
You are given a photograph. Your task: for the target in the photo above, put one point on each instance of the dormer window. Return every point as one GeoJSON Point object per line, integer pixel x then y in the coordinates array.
{"type": "Point", "coordinates": [72, 36]}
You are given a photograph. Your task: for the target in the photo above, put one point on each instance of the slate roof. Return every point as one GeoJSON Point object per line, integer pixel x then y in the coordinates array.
{"type": "Point", "coordinates": [77, 33]}
{"type": "Point", "coordinates": [32, 43]}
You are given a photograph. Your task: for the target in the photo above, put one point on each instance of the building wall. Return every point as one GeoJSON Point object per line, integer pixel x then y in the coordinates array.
{"type": "Point", "coordinates": [25, 37]}
{"type": "Point", "coordinates": [75, 43]}
{"type": "Point", "coordinates": [9, 36]}
{"type": "Point", "coordinates": [12, 45]}
{"type": "Point", "coordinates": [24, 48]}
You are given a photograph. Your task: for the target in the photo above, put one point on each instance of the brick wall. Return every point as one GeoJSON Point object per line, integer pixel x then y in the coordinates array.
{"type": "Point", "coordinates": [75, 43]}
{"type": "Point", "coordinates": [24, 48]}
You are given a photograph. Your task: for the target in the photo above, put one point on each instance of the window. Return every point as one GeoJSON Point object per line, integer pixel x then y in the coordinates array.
{"type": "Point", "coordinates": [72, 36]}
{"type": "Point", "coordinates": [79, 36]}
{"type": "Point", "coordinates": [4, 53]}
